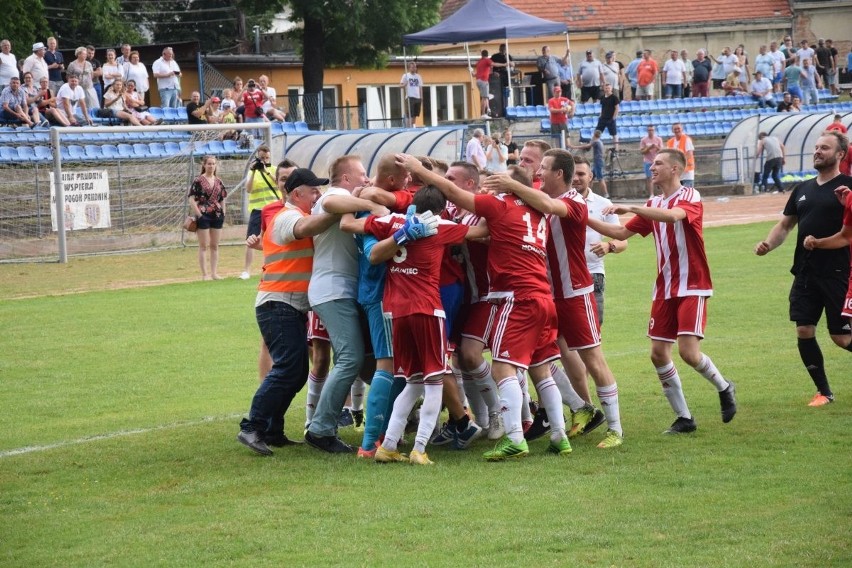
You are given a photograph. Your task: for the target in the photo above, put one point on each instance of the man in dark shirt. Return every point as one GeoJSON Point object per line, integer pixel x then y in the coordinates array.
{"type": "Point", "coordinates": [820, 276]}
{"type": "Point", "coordinates": [194, 110]}
{"type": "Point", "coordinates": [97, 72]}
{"type": "Point", "coordinates": [786, 105]}
{"type": "Point", "coordinates": [502, 64]}
{"type": "Point", "coordinates": [701, 69]}
{"type": "Point", "coordinates": [824, 61]}
{"type": "Point", "coordinates": [609, 112]}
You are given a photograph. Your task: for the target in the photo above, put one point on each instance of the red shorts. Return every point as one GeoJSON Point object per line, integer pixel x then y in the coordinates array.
{"type": "Point", "coordinates": [419, 348]}
{"type": "Point", "coordinates": [523, 332]}
{"type": "Point", "coordinates": [474, 320]}
{"type": "Point", "coordinates": [847, 305]}
{"type": "Point", "coordinates": [578, 321]}
{"type": "Point", "coordinates": [316, 329]}
{"type": "Point", "coordinates": [678, 316]}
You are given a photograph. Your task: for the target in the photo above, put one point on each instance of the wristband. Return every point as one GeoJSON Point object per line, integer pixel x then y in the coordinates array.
{"type": "Point", "coordinates": [400, 237]}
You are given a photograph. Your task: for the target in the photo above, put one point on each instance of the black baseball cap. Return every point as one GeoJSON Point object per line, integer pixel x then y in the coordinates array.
{"type": "Point", "coordinates": [303, 176]}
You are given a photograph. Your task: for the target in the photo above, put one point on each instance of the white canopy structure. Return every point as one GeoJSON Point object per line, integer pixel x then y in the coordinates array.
{"type": "Point", "coordinates": [797, 131]}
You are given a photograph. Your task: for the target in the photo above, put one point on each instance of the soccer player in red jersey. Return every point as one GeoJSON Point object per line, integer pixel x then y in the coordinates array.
{"type": "Point", "coordinates": [522, 302]}
{"type": "Point", "coordinates": [412, 303]}
{"type": "Point", "coordinates": [570, 280]}
{"type": "Point", "coordinates": [678, 309]}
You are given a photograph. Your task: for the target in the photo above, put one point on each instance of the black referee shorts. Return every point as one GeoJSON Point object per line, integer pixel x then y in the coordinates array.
{"type": "Point", "coordinates": [812, 294]}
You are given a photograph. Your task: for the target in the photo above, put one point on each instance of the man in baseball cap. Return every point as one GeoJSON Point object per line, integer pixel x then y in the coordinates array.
{"type": "Point", "coordinates": [36, 64]}
{"type": "Point", "coordinates": [303, 176]}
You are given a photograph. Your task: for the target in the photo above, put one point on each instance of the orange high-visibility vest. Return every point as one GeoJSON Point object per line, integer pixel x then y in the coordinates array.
{"type": "Point", "coordinates": [286, 268]}
{"type": "Point", "coordinates": [690, 160]}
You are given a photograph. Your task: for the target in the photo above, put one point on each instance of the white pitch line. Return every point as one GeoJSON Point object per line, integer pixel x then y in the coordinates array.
{"type": "Point", "coordinates": [111, 435]}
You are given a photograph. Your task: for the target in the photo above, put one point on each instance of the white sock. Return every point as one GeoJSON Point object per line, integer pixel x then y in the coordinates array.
{"type": "Point", "coordinates": [459, 382]}
{"type": "Point", "coordinates": [608, 396]}
{"type": "Point", "coordinates": [670, 382]}
{"type": "Point", "coordinates": [511, 400]}
{"type": "Point", "coordinates": [429, 411]}
{"type": "Point", "coordinates": [315, 385]}
{"type": "Point", "coordinates": [709, 371]}
{"type": "Point", "coordinates": [550, 399]}
{"type": "Point", "coordinates": [569, 396]}
{"type": "Point", "coordinates": [526, 415]}
{"type": "Point", "coordinates": [401, 409]}
{"type": "Point", "coordinates": [475, 402]}
{"type": "Point", "coordinates": [481, 376]}
{"type": "Point", "coordinates": [356, 393]}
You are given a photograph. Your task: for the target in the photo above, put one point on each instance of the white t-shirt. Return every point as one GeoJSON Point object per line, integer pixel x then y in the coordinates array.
{"type": "Point", "coordinates": [596, 204]}
{"type": "Point", "coordinates": [674, 70]}
{"type": "Point", "coordinates": [271, 95]}
{"type": "Point", "coordinates": [777, 61]}
{"type": "Point", "coordinates": [610, 71]}
{"type": "Point", "coordinates": [805, 53]}
{"type": "Point", "coordinates": [335, 275]}
{"type": "Point", "coordinates": [111, 69]}
{"type": "Point", "coordinates": [763, 86]}
{"type": "Point", "coordinates": [475, 153]}
{"type": "Point", "coordinates": [163, 66]}
{"type": "Point", "coordinates": [728, 63]}
{"type": "Point", "coordinates": [74, 97]}
{"type": "Point", "coordinates": [8, 67]}
{"type": "Point", "coordinates": [413, 83]}
{"type": "Point", "coordinates": [137, 73]}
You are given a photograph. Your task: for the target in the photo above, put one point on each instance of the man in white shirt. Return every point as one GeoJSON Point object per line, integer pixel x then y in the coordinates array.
{"type": "Point", "coordinates": [674, 73]}
{"type": "Point", "coordinates": [36, 64]}
{"type": "Point", "coordinates": [805, 52]}
{"type": "Point", "coordinates": [270, 105]}
{"type": "Point", "coordinates": [167, 72]}
{"type": "Point", "coordinates": [71, 101]}
{"type": "Point", "coordinates": [412, 91]}
{"type": "Point", "coordinates": [761, 91]}
{"type": "Point", "coordinates": [475, 153]}
{"type": "Point", "coordinates": [779, 62]}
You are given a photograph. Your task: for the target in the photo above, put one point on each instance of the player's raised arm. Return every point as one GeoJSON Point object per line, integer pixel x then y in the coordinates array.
{"type": "Point", "coordinates": [450, 190]}
{"type": "Point", "coordinates": [611, 230]}
{"type": "Point", "coordinates": [340, 204]}
{"type": "Point", "coordinates": [672, 215]}
{"type": "Point", "coordinates": [536, 199]}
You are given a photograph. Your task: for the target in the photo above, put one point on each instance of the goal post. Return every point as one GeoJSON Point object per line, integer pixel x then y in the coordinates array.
{"type": "Point", "coordinates": [122, 187]}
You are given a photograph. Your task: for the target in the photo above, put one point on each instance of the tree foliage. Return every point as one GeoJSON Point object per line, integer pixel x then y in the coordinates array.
{"type": "Point", "coordinates": [23, 24]}
{"type": "Point", "coordinates": [96, 22]}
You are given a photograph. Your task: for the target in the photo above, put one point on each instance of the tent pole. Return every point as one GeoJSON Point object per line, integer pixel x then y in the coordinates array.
{"type": "Point", "coordinates": [407, 105]}
{"type": "Point", "coordinates": [472, 81]}
{"type": "Point", "coordinates": [510, 99]}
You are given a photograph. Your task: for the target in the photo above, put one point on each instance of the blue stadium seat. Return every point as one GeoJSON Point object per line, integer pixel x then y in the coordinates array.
{"type": "Point", "coordinates": [231, 147]}
{"type": "Point", "coordinates": [215, 147]}
{"type": "Point", "coordinates": [125, 151]}
{"type": "Point", "coordinates": [541, 111]}
{"type": "Point", "coordinates": [43, 153]}
{"type": "Point", "coordinates": [512, 112]}
{"type": "Point", "coordinates": [26, 154]}
{"type": "Point", "coordinates": [277, 127]}
{"type": "Point", "coordinates": [157, 149]}
{"type": "Point", "coordinates": [183, 146]}
{"type": "Point", "coordinates": [172, 148]}
{"type": "Point", "coordinates": [171, 115]}
{"type": "Point", "coordinates": [545, 125]}
{"type": "Point", "coordinates": [699, 129]}
{"type": "Point", "coordinates": [109, 151]}
{"type": "Point", "coordinates": [182, 116]}
{"type": "Point", "coordinates": [302, 127]}
{"type": "Point", "coordinates": [289, 127]}
{"type": "Point", "coordinates": [8, 154]}
{"type": "Point", "coordinates": [157, 113]}
{"type": "Point", "coordinates": [141, 150]}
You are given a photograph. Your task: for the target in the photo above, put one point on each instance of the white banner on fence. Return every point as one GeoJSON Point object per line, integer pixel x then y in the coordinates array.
{"type": "Point", "coordinates": [86, 200]}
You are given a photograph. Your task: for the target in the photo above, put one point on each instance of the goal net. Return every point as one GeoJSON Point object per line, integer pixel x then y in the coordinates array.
{"type": "Point", "coordinates": [123, 188]}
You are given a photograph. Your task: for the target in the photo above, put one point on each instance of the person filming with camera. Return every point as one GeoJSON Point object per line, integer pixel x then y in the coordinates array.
{"type": "Point", "coordinates": [262, 190]}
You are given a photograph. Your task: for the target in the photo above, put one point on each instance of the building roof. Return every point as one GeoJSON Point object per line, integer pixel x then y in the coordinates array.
{"type": "Point", "coordinates": [609, 14]}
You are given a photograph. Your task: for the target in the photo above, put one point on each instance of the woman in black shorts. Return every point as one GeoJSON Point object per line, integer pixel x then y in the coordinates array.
{"type": "Point", "coordinates": [207, 199]}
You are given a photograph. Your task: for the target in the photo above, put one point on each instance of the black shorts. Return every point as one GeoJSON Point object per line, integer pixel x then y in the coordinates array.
{"type": "Point", "coordinates": [812, 294]}
{"type": "Point", "coordinates": [414, 105]}
{"type": "Point", "coordinates": [254, 223]}
{"type": "Point", "coordinates": [211, 221]}
{"type": "Point", "coordinates": [717, 83]}
{"type": "Point", "coordinates": [608, 125]}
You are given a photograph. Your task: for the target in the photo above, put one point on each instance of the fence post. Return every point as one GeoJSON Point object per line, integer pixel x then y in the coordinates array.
{"type": "Point", "coordinates": [60, 196]}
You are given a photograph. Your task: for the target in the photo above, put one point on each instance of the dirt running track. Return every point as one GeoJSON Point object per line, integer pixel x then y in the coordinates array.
{"type": "Point", "coordinates": [739, 210]}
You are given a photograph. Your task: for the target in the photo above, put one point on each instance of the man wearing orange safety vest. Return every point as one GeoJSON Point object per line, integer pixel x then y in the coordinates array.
{"type": "Point", "coordinates": [282, 305]}
{"type": "Point", "coordinates": [681, 141]}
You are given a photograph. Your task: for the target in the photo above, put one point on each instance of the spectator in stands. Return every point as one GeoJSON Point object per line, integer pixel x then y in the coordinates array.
{"type": "Point", "coordinates": [561, 111]}
{"type": "Point", "coordinates": [114, 102]}
{"type": "Point", "coordinates": [597, 148]}
{"type": "Point", "coordinates": [207, 197]}
{"type": "Point", "coordinates": [833, 75]}
{"type": "Point", "coordinates": [548, 65]}
{"type": "Point", "coordinates": [727, 63]}
{"type": "Point", "coordinates": [566, 75]}
{"type": "Point", "coordinates": [743, 64]}
{"type": "Point", "coordinates": [36, 64]}
{"type": "Point", "coordinates": [837, 124]}
{"type": "Point", "coordinates": [805, 52]}
{"type": "Point", "coordinates": [495, 155]}
{"type": "Point", "coordinates": [83, 69]}
{"type": "Point", "coordinates": [47, 105]}
{"type": "Point", "coordinates": [683, 142]}
{"type": "Point", "coordinates": [13, 104]}
{"type": "Point", "coordinates": [195, 111]}
{"type": "Point", "coordinates": [97, 72]}
{"type": "Point", "coordinates": [214, 114]}
{"type": "Point", "coordinates": [167, 72]}
{"type": "Point", "coordinates": [824, 62]}
{"type": "Point", "coordinates": [786, 104]}
{"type": "Point", "coordinates": [135, 71]}
{"type": "Point", "coordinates": [270, 106]}
{"type": "Point", "coordinates": [111, 69]}
{"type": "Point", "coordinates": [761, 91]}
{"type": "Point", "coordinates": [733, 85]}
{"type": "Point", "coordinates": [687, 65]}
{"type": "Point", "coordinates": [411, 84]}
{"type": "Point", "coordinates": [33, 97]}
{"type": "Point", "coordinates": [124, 58]}
{"type": "Point", "coordinates": [55, 64]}
{"type": "Point", "coordinates": [778, 65]}
{"type": "Point", "coordinates": [764, 63]}
{"type": "Point", "coordinates": [609, 113]}
{"type": "Point", "coordinates": [811, 82]}
{"type": "Point", "coordinates": [674, 76]}
{"type": "Point", "coordinates": [71, 101]}
{"type": "Point", "coordinates": [483, 76]}
{"type": "Point", "coordinates": [512, 156]}
{"type": "Point", "coordinates": [8, 64]}
{"type": "Point", "coordinates": [503, 65]}
{"type": "Point", "coordinates": [789, 51]}
{"type": "Point", "coordinates": [793, 76]}
{"type": "Point", "coordinates": [237, 95]}
{"type": "Point", "coordinates": [772, 151]}
{"type": "Point", "coordinates": [648, 147]}
{"type": "Point", "coordinates": [474, 152]}
{"type": "Point", "coordinates": [701, 70]}
{"type": "Point", "coordinates": [590, 77]}
{"type": "Point", "coordinates": [796, 105]}
{"type": "Point", "coordinates": [612, 73]}
{"type": "Point", "coordinates": [253, 99]}
{"type": "Point", "coordinates": [135, 102]}
{"type": "Point", "coordinates": [632, 75]}
{"type": "Point", "coordinates": [646, 75]}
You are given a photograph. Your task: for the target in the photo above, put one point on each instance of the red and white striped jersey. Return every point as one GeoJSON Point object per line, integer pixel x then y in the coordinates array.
{"type": "Point", "coordinates": [566, 249]}
{"type": "Point", "coordinates": [682, 268]}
